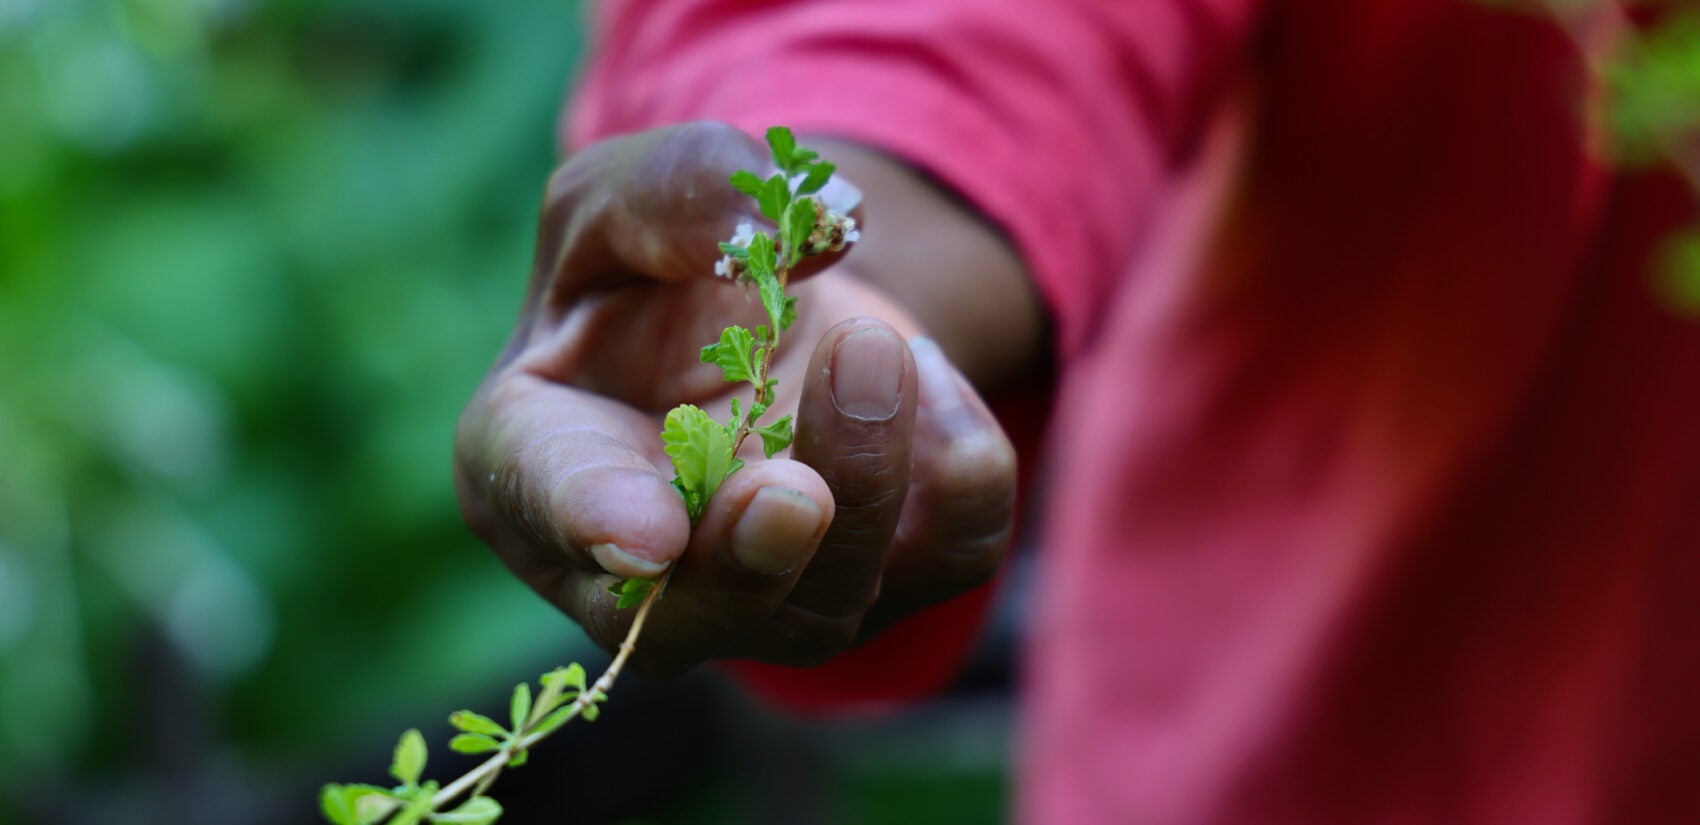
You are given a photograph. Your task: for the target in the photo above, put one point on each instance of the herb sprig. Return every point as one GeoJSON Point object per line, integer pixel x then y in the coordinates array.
{"type": "Point", "coordinates": [703, 452]}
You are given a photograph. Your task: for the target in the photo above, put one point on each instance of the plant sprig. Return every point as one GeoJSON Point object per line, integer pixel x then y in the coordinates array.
{"type": "Point", "coordinates": [703, 451]}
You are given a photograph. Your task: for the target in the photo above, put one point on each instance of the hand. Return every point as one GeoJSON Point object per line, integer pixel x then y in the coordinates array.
{"type": "Point", "coordinates": [899, 489]}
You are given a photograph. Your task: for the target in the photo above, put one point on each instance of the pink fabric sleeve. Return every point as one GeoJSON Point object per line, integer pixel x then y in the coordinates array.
{"type": "Point", "coordinates": [1052, 118]}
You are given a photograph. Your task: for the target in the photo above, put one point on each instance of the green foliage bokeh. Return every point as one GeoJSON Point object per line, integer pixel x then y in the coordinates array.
{"type": "Point", "coordinates": [254, 256]}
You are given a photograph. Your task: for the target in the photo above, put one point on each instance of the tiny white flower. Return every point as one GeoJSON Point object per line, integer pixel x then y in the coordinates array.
{"type": "Point", "coordinates": [745, 233]}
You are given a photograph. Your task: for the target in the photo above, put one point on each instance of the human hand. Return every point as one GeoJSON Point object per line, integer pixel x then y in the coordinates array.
{"type": "Point", "coordinates": [899, 489]}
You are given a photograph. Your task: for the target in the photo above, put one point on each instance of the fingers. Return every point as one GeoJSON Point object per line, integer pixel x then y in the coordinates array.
{"type": "Point", "coordinates": [757, 535]}
{"type": "Point", "coordinates": [958, 519]}
{"type": "Point", "coordinates": [854, 424]}
{"type": "Point", "coordinates": [556, 478]}
{"type": "Point", "coordinates": [656, 205]}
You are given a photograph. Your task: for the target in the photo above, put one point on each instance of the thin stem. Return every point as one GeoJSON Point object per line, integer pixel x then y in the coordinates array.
{"type": "Point", "coordinates": [489, 769]}
{"type": "Point", "coordinates": [783, 273]}
{"type": "Point", "coordinates": [485, 774]}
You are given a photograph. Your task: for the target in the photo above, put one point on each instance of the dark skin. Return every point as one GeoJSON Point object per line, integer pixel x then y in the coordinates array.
{"type": "Point", "coordinates": [899, 489]}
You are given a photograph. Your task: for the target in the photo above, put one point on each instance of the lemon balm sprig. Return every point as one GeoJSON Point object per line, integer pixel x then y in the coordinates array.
{"type": "Point", "coordinates": [703, 452]}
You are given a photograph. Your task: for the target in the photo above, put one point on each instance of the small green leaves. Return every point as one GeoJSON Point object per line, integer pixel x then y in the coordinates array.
{"type": "Point", "coordinates": [473, 744]}
{"type": "Point", "coordinates": [762, 258]}
{"type": "Point", "coordinates": [566, 678]}
{"type": "Point", "coordinates": [701, 452]}
{"type": "Point", "coordinates": [409, 761]}
{"type": "Point", "coordinates": [356, 804]}
{"type": "Point", "coordinates": [774, 300]}
{"type": "Point", "coordinates": [471, 722]}
{"type": "Point", "coordinates": [555, 719]}
{"type": "Point", "coordinates": [479, 810]}
{"type": "Point", "coordinates": [631, 591]}
{"type": "Point", "coordinates": [799, 223]}
{"type": "Point", "coordinates": [520, 705]}
{"type": "Point", "coordinates": [736, 355]}
{"type": "Point", "coordinates": [775, 436]}
{"type": "Point", "coordinates": [591, 709]}
{"type": "Point", "coordinates": [817, 176]}
{"type": "Point", "coordinates": [787, 155]}
{"type": "Point", "coordinates": [482, 733]}
{"type": "Point", "coordinates": [784, 146]}
{"type": "Point", "coordinates": [747, 183]}
{"type": "Point", "coordinates": [417, 804]}
{"type": "Point", "coordinates": [774, 198]}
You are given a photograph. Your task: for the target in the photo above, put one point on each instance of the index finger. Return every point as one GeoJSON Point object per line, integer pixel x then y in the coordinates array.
{"type": "Point", "coordinates": [657, 204]}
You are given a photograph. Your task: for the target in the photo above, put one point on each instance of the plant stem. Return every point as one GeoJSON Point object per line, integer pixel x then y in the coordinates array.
{"type": "Point", "coordinates": [487, 771]}
{"type": "Point", "coordinates": [782, 272]}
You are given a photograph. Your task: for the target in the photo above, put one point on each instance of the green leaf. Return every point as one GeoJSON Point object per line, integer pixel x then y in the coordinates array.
{"type": "Point", "coordinates": [519, 707]}
{"type": "Point", "coordinates": [519, 758]}
{"type": "Point", "coordinates": [479, 810]}
{"type": "Point", "coordinates": [701, 452]}
{"type": "Point", "coordinates": [471, 722]}
{"type": "Point", "coordinates": [737, 418]}
{"type": "Point", "coordinates": [732, 353]}
{"type": "Point", "coordinates": [355, 804]}
{"type": "Point", "coordinates": [631, 591]}
{"type": "Point", "coordinates": [775, 437]}
{"type": "Point", "coordinates": [566, 678]}
{"type": "Point", "coordinates": [747, 183]}
{"type": "Point", "coordinates": [337, 805]}
{"type": "Point", "coordinates": [818, 175]}
{"type": "Point", "coordinates": [800, 158]}
{"type": "Point", "coordinates": [473, 743]}
{"type": "Point", "coordinates": [409, 760]}
{"type": "Point", "coordinates": [736, 251]}
{"type": "Point", "coordinates": [799, 223]}
{"type": "Point", "coordinates": [788, 315]}
{"type": "Point", "coordinates": [773, 300]}
{"type": "Point", "coordinates": [590, 712]}
{"type": "Point", "coordinates": [554, 720]}
{"type": "Point", "coordinates": [418, 805]}
{"type": "Point", "coordinates": [775, 198]}
{"type": "Point", "coordinates": [762, 260]}
{"type": "Point", "coordinates": [783, 144]}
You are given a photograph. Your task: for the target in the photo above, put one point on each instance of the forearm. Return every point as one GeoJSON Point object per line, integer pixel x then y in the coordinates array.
{"type": "Point", "coordinates": [946, 264]}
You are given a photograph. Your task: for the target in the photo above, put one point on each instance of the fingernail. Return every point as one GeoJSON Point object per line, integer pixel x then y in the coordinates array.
{"type": "Point", "coordinates": [614, 560]}
{"type": "Point", "coordinates": [866, 369]}
{"type": "Point", "coordinates": [839, 196]}
{"type": "Point", "coordinates": [776, 530]}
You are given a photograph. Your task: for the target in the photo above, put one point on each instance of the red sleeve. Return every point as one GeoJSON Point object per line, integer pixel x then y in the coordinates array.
{"type": "Point", "coordinates": [1052, 118]}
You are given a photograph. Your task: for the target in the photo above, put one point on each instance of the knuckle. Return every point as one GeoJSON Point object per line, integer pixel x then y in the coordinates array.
{"type": "Point", "coordinates": [972, 562]}
{"type": "Point", "coordinates": [980, 463]}
{"type": "Point", "coordinates": [569, 181]}
{"type": "Point", "coordinates": [808, 639]}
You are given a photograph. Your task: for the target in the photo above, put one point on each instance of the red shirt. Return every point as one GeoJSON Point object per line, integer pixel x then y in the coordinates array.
{"type": "Point", "coordinates": [1375, 463]}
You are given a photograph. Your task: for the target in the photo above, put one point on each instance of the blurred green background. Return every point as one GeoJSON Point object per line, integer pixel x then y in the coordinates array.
{"type": "Point", "coordinates": [254, 255]}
